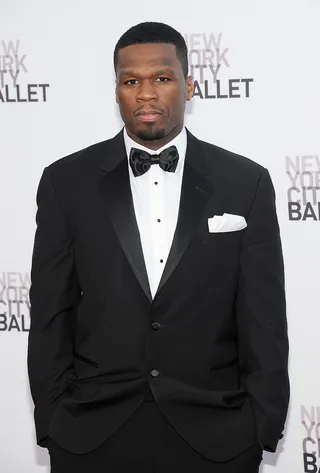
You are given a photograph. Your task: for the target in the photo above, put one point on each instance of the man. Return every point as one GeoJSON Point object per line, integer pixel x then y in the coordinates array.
{"type": "Point", "coordinates": [158, 339]}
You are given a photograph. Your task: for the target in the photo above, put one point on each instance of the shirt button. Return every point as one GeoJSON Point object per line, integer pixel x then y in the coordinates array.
{"type": "Point", "coordinates": [154, 373]}
{"type": "Point", "coordinates": [155, 325]}
{"type": "Point", "coordinates": [161, 261]}
{"type": "Point", "coordinates": [156, 183]}
{"type": "Point", "coordinates": [159, 220]}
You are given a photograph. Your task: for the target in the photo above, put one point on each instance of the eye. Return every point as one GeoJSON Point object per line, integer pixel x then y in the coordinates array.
{"type": "Point", "coordinates": [131, 82]}
{"type": "Point", "coordinates": [162, 79]}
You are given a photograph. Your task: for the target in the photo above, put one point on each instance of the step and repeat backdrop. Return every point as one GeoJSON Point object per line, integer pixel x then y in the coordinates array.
{"type": "Point", "coordinates": [256, 68]}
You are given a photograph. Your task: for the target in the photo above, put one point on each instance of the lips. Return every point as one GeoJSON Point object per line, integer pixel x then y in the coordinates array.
{"type": "Point", "coordinates": [148, 115]}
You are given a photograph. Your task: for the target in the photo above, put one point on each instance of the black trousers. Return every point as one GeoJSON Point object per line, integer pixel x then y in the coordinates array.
{"type": "Point", "coordinates": [147, 443]}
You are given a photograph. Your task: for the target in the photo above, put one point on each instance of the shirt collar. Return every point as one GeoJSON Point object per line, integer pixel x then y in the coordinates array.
{"type": "Point", "coordinates": [180, 141]}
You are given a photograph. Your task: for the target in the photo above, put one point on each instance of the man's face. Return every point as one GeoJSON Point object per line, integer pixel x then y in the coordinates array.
{"type": "Point", "coordinates": [151, 92]}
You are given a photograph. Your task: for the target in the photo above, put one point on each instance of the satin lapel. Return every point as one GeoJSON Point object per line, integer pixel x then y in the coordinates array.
{"type": "Point", "coordinates": [196, 191]}
{"type": "Point", "coordinates": [115, 187]}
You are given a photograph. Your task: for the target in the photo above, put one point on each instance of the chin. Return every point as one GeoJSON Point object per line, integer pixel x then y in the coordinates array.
{"type": "Point", "coordinates": [150, 133]}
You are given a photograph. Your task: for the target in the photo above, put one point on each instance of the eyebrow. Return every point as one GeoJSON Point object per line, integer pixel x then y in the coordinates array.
{"type": "Point", "coordinates": [159, 72]}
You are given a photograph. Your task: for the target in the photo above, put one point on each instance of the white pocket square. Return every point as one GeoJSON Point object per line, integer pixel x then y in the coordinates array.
{"type": "Point", "coordinates": [226, 223]}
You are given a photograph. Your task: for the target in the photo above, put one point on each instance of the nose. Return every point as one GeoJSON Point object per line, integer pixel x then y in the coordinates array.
{"type": "Point", "coordinates": [146, 92]}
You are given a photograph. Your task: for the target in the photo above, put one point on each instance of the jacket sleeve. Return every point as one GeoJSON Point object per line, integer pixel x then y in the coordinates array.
{"type": "Point", "coordinates": [261, 317]}
{"type": "Point", "coordinates": [54, 294]}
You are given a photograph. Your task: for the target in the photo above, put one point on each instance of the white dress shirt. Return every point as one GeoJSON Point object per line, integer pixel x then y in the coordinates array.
{"type": "Point", "coordinates": [156, 199]}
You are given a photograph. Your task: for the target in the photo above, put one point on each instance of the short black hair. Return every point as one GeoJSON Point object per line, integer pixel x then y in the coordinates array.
{"type": "Point", "coordinates": [154, 32]}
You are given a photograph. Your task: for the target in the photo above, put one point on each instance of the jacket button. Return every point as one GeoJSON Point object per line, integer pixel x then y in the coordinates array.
{"type": "Point", "coordinates": [155, 325]}
{"type": "Point", "coordinates": [154, 373]}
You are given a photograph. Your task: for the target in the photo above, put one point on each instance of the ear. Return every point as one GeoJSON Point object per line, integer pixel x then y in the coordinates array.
{"type": "Point", "coordinates": [116, 94]}
{"type": "Point", "coordinates": [189, 88]}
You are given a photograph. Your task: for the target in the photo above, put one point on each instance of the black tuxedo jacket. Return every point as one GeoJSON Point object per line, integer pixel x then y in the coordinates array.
{"type": "Point", "coordinates": [212, 344]}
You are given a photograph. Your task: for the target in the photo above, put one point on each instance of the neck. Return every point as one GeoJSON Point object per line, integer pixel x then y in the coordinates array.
{"type": "Point", "coordinates": [156, 144]}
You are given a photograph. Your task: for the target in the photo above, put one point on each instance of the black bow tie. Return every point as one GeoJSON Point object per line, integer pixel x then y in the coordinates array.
{"type": "Point", "coordinates": [141, 161]}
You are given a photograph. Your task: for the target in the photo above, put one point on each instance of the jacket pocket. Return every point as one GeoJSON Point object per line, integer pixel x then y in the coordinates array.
{"type": "Point", "coordinates": [86, 360]}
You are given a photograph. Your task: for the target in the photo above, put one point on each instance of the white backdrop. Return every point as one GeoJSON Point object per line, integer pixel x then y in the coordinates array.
{"type": "Point", "coordinates": [62, 99]}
